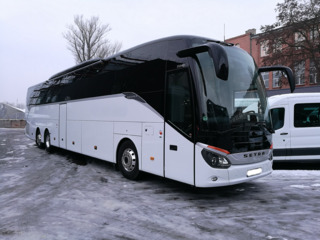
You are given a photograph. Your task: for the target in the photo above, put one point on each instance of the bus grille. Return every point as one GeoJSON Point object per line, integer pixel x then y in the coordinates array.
{"type": "Point", "coordinates": [250, 138]}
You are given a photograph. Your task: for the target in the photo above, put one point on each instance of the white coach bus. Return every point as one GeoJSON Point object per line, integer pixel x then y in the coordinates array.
{"type": "Point", "coordinates": [170, 107]}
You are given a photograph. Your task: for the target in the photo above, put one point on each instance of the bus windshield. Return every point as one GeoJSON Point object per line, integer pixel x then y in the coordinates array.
{"type": "Point", "coordinates": [233, 113]}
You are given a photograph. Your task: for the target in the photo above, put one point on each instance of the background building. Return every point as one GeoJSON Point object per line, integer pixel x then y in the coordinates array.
{"type": "Point", "coordinates": [259, 48]}
{"type": "Point", "coordinates": [11, 117]}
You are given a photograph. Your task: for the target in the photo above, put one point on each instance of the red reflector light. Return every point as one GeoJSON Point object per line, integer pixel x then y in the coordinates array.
{"type": "Point", "coordinates": [271, 147]}
{"type": "Point", "coordinates": [219, 149]}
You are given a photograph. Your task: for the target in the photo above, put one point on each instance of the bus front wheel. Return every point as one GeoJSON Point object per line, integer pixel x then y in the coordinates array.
{"type": "Point", "coordinates": [128, 160]}
{"type": "Point", "coordinates": [38, 139]}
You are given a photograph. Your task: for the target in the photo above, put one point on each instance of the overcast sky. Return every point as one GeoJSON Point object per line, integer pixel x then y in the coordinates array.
{"type": "Point", "coordinates": [32, 48]}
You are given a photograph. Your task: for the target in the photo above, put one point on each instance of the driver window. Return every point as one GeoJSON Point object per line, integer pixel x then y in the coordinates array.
{"type": "Point", "coordinates": [178, 102]}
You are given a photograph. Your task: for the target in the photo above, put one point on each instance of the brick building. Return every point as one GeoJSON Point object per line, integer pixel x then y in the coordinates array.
{"type": "Point", "coordinates": [306, 77]}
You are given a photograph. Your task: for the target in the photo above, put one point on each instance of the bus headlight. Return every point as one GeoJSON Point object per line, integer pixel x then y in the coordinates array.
{"type": "Point", "coordinates": [215, 160]}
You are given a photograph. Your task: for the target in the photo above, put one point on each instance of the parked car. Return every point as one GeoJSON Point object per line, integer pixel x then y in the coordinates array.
{"type": "Point", "coordinates": [296, 121]}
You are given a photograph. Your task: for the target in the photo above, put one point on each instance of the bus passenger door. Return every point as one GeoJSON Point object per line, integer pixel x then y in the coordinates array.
{"type": "Point", "coordinates": [179, 147]}
{"type": "Point", "coordinates": [63, 125]}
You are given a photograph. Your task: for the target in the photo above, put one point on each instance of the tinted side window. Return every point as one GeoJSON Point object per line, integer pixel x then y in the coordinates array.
{"type": "Point", "coordinates": [146, 80]}
{"type": "Point", "coordinates": [144, 74]}
{"type": "Point", "coordinates": [277, 115]}
{"type": "Point", "coordinates": [96, 85]}
{"type": "Point", "coordinates": [37, 94]}
{"type": "Point", "coordinates": [91, 82]}
{"type": "Point", "coordinates": [141, 71]}
{"type": "Point", "coordinates": [306, 115]}
{"type": "Point", "coordinates": [31, 96]}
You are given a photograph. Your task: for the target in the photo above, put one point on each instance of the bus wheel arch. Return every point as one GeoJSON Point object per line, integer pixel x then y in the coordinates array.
{"type": "Point", "coordinates": [39, 142]}
{"type": "Point", "coordinates": [47, 141]}
{"type": "Point", "coordinates": [128, 159]}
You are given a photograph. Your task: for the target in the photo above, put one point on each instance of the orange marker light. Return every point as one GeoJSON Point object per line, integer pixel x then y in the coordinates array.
{"type": "Point", "coordinates": [219, 149]}
{"type": "Point", "coordinates": [152, 158]}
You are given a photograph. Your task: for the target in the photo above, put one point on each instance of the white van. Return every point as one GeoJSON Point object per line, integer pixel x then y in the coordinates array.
{"type": "Point", "coordinates": [296, 121]}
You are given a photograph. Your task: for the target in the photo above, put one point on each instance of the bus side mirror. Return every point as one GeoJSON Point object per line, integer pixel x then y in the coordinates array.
{"type": "Point", "coordinates": [216, 52]}
{"type": "Point", "coordinates": [220, 60]}
{"type": "Point", "coordinates": [284, 69]}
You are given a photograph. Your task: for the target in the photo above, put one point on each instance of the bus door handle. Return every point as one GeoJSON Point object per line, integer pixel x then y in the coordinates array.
{"type": "Point", "coordinates": [174, 147]}
{"type": "Point", "coordinates": [284, 133]}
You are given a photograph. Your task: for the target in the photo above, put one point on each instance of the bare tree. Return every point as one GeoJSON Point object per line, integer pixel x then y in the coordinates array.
{"type": "Point", "coordinates": [87, 39]}
{"type": "Point", "coordinates": [295, 36]}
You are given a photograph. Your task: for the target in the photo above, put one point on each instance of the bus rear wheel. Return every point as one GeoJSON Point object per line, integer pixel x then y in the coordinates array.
{"type": "Point", "coordinates": [47, 142]}
{"type": "Point", "coordinates": [128, 160]}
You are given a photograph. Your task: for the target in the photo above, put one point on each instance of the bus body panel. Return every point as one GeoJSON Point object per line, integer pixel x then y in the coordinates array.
{"type": "Point", "coordinates": [152, 148]}
{"type": "Point", "coordinates": [87, 126]}
{"type": "Point", "coordinates": [179, 156]}
{"type": "Point", "coordinates": [113, 108]}
{"type": "Point", "coordinates": [128, 128]}
{"type": "Point", "coordinates": [97, 139]}
{"type": "Point", "coordinates": [74, 133]}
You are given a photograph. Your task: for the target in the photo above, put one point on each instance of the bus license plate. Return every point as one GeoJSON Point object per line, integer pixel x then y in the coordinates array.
{"type": "Point", "coordinates": [254, 172]}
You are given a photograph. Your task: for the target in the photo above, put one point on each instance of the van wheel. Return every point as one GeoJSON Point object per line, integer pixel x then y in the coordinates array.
{"type": "Point", "coordinates": [47, 142]}
{"type": "Point", "coordinates": [38, 139]}
{"type": "Point", "coordinates": [128, 160]}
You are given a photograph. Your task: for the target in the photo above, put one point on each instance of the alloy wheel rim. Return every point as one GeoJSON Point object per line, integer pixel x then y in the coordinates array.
{"type": "Point", "coordinates": [128, 159]}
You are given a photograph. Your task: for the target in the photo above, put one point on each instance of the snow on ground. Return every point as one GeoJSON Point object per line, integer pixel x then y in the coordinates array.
{"type": "Point", "coordinates": [59, 196]}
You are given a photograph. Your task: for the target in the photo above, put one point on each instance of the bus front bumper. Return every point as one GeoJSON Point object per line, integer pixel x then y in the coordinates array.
{"type": "Point", "coordinates": [235, 174]}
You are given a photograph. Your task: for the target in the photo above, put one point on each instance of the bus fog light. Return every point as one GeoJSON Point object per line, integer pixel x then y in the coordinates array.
{"type": "Point", "coordinates": [214, 160]}
{"type": "Point", "coordinates": [213, 179]}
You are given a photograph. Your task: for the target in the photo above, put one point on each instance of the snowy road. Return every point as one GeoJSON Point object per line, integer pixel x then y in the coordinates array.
{"type": "Point", "coordinates": [55, 196]}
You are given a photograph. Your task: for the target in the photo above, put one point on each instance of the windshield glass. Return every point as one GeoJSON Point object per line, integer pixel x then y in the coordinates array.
{"type": "Point", "coordinates": [233, 112]}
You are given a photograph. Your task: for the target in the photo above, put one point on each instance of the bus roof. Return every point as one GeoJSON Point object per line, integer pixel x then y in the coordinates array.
{"type": "Point", "coordinates": [92, 62]}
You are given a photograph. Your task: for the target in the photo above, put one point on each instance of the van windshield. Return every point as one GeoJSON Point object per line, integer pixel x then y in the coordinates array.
{"type": "Point", "coordinates": [233, 112]}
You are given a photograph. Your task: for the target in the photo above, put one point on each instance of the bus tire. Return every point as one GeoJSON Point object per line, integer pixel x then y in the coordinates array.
{"type": "Point", "coordinates": [47, 142]}
{"type": "Point", "coordinates": [128, 161]}
{"type": "Point", "coordinates": [38, 139]}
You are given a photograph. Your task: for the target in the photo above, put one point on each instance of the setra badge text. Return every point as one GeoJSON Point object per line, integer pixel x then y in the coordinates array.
{"type": "Point", "coordinates": [254, 154]}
